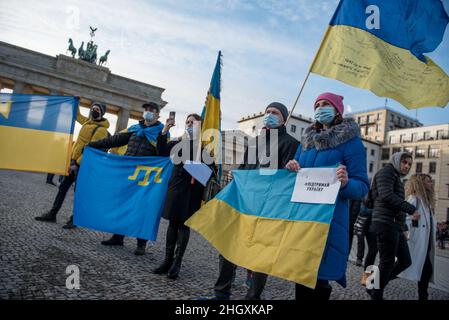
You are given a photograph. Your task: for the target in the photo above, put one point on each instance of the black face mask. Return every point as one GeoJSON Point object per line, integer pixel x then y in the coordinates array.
{"type": "Point", "coordinates": [95, 114]}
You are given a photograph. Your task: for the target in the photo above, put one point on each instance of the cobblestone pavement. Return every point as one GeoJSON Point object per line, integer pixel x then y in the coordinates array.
{"type": "Point", "coordinates": [34, 256]}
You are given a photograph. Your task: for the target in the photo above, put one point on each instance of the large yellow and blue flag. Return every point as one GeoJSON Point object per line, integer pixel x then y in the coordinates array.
{"type": "Point", "coordinates": [379, 44]}
{"type": "Point", "coordinates": [36, 132]}
{"type": "Point", "coordinates": [121, 194]}
{"type": "Point", "coordinates": [211, 114]}
{"type": "Point", "coordinates": [253, 224]}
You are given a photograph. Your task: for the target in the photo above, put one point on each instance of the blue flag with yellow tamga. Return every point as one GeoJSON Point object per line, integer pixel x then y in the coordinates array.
{"type": "Point", "coordinates": [379, 45]}
{"type": "Point", "coordinates": [121, 194]}
{"type": "Point", "coordinates": [253, 224]}
{"type": "Point", "coordinates": [36, 132]}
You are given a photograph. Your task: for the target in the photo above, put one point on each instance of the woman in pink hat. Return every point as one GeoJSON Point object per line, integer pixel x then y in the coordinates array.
{"type": "Point", "coordinates": [333, 140]}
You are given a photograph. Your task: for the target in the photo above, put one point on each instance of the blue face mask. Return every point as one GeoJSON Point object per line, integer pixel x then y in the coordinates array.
{"type": "Point", "coordinates": [148, 115]}
{"type": "Point", "coordinates": [325, 115]}
{"type": "Point", "coordinates": [271, 121]}
{"type": "Point", "coordinates": [190, 131]}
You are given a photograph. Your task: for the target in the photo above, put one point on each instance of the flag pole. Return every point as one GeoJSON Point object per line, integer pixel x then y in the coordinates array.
{"type": "Point", "coordinates": [308, 74]}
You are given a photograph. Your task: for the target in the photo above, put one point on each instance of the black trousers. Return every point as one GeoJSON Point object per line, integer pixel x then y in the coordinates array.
{"type": "Point", "coordinates": [427, 271]}
{"type": "Point", "coordinates": [322, 291]}
{"type": "Point", "coordinates": [360, 246]}
{"type": "Point", "coordinates": [226, 277]}
{"type": "Point", "coordinates": [62, 192]}
{"type": "Point", "coordinates": [372, 249]}
{"type": "Point", "coordinates": [392, 244]}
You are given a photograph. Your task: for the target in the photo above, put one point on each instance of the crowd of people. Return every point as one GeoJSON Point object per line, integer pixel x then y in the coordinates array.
{"type": "Point", "coordinates": [397, 221]}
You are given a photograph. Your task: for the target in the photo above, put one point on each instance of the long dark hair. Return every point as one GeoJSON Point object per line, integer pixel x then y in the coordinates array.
{"type": "Point", "coordinates": [196, 116]}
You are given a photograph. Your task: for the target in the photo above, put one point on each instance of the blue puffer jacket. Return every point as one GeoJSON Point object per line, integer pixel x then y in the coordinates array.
{"type": "Point", "coordinates": [341, 144]}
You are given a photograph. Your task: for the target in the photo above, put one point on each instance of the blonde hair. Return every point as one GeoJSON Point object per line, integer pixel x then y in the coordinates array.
{"type": "Point", "coordinates": [415, 186]}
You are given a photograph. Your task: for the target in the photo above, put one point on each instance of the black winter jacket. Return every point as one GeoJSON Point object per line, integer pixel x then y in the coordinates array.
{"type": "Point", "coordinates": [286, 147]}
{"type": "Point", "coordinates": [390, 208]}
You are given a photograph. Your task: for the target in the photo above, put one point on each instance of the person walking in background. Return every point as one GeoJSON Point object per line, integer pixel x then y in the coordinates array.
{"type": "Point", "coordinates": [422, 233]}
{"type": "Point", "coordinates": [388, 220]}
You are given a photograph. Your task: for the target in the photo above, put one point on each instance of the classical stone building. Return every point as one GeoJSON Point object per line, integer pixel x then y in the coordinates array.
{"type": "Point", "coordinates": [26, 71]}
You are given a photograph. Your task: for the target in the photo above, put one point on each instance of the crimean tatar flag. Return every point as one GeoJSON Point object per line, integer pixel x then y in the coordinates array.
{"type": "Point", "coordinates": [379, 44]}
{"type": "Point", "coordinates": [36, 132]}
{"type": "Point", "coordinates": [121, 194]}
{"type": "Point", "coordinates": [253, 224]}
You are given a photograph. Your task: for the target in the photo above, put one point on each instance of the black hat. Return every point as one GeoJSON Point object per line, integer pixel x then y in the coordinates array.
{"type": "Point", "coordinates": [152, 106]}
{"type": "Point", "coordinates": [283, 109]}
{"type": "Point", "coordinates": [102, 107]}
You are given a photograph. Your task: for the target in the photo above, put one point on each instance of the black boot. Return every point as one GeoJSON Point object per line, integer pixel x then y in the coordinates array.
{"type": "Point", "coordinates": [168, 261]}
{"type": "Point", "coordinates": [47, 217]}
{"type": "Point", "coordinates": [116, 240]}
{"type": "Point", "coordinates": [170, 244]}
{"type": "Point", "coordinates": [181, 245]}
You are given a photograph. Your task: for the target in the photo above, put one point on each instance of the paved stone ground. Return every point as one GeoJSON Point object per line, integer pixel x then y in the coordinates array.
{"type": "Point", "coordinates": [34, 257]}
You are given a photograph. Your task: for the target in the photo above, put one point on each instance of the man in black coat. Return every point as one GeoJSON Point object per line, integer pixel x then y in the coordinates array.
{"type": "Point", "coordinates": [388, 219]}
{"type": "Point", "coordinates": [139, 145]}
{"type": "Point", "coordinates": [278, 152]}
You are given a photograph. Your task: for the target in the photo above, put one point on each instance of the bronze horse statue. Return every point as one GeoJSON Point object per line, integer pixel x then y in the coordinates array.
{"type": "Point", "coordinates": [71, 48]}
{"type": "Point", "coordinates": [104, 58]}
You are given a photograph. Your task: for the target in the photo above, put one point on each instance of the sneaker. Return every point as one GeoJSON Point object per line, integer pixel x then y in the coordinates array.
{"type": "Point", "coordinates": [52, 183]}
{"type": "Point", "coordinates": [140, 251]}
{"type": "Point", "coordinates": [46, 217]}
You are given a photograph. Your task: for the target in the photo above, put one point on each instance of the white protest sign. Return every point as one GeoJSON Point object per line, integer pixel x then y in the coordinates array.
{"type": "Point", "coordinates": [316, 185]}
{"type": "Point", "coordinates": [198, 170]}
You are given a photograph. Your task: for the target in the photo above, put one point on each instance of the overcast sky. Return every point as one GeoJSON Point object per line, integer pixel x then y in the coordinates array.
{"type": "Point", "coordinates": [267, 47]}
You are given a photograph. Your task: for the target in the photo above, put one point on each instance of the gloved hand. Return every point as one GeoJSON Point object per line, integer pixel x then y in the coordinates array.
{"type": "Point", "coordinates": [74, 169]}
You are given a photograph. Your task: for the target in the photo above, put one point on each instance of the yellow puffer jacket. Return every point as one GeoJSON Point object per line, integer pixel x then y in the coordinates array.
{"type": "Point", "coordinates": [88, 134]}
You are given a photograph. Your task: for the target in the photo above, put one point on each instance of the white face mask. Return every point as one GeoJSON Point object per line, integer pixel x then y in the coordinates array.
{"type": "Point", "coordinates": [148, 115]}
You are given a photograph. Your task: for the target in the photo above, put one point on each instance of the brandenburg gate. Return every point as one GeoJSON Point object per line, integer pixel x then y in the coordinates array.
{"type": "Point", "coordinates": [26, 71]}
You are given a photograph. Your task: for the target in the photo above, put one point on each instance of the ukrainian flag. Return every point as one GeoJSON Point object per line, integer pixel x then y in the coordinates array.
{"type": "Point", "coordinates": [36, 132]}
{"type": "Point", "coordinates": [211, 114]}
{"type": "Point", "coordinates": [379, 44]}
{"type": "Point", "coordinates": [253, 224]}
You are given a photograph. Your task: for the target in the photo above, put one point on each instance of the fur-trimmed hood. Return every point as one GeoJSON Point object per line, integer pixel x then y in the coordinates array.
{"type": "Point", "coordinates": [332, 137]}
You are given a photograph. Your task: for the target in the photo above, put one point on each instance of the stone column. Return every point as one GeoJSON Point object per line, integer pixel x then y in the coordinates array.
{"type": "Point", "coordinates": [122, 120]}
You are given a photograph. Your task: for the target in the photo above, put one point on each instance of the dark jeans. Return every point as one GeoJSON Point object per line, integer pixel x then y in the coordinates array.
{"type": "Point", "coordinates": [62, 192]}
{"type": "Point", "coordinates": [226, 277]}
{"type": "Point", "coordinates": [50, 177]}
{"type": "Point", "coordinates": [140, 242]}
{"type": "Point", "coordinates": [360, 246]}
{"type": "Point", "coordinates": [392, 244]}
{"type": "Point", "coordinates": [322, 291]}
{"type": "Point", "coordinates": [372, 249]}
